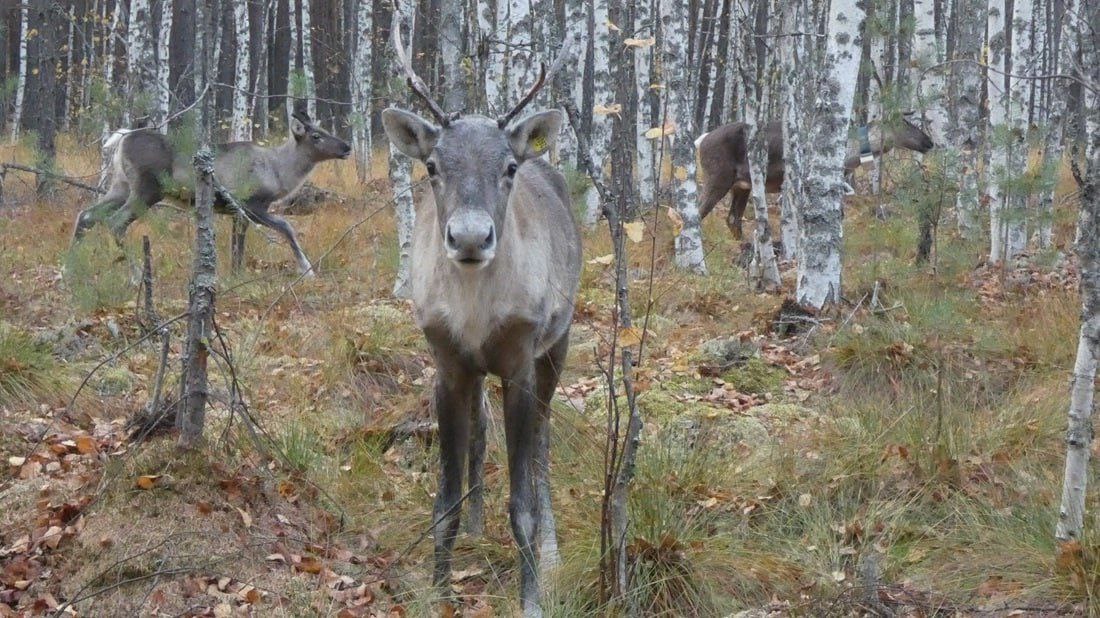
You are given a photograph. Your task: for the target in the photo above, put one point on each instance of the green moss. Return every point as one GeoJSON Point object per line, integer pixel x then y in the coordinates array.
{"type": "Point", "coordinates": [757, 377]}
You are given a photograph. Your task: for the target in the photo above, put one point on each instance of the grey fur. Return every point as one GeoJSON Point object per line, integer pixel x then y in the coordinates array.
{"type": "Point", "coordinates": [502, 306]}
{"type": "Point", "coordinates": [147, 170]}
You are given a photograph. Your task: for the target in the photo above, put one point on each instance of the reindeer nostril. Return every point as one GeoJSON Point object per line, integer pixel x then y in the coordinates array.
{"type": "Point", "coordinates": [450, 238]}
{"type": "Point", "coordinates": [488, 242]}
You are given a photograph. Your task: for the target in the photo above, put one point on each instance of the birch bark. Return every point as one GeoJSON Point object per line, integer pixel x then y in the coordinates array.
{"type": "Point", "coordinates": [361, 88]}
{"type": "Point", "coordinates": [241, 125]}
{"type": "Point", "coordinates": [1079, 434]}
{"type": "Point", "coordinates": [676, 79]}
{"type": "Point", "coordinates": [964, 127]}
{"type": "Point", "coordinates": [821, 214]}
{"type": "Point", "coordinates": [164, 89]}
{"type": "Point", "coordinates": [21, 83]}
{"type": "Point", "coordinates": [604, 99]}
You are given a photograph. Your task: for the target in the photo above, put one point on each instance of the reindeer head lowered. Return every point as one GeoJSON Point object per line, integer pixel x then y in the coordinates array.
{"type": "Point", "coordinates": [471, 163]}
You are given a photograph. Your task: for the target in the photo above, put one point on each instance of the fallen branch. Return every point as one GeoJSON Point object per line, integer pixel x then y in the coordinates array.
{"type": "Point", "coordinates": [53, 175]}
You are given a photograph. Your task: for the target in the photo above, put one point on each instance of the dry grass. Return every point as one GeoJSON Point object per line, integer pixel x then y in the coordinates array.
{"type": "Point", "coordinates": [938, 445]}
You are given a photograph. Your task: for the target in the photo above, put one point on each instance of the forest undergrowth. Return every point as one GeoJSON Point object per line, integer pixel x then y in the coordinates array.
{"type": "Point", "coordinates": [903, 451]}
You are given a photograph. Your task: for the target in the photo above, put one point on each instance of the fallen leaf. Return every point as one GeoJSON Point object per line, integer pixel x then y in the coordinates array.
{"type": "Point", "coordinates": [630, 336]}
{"type": "Point", "coordinates": [245, 517]}
{"type": "Point", "coordinates": [611, 26]}
{"type": "Point", "coordinates": [16, 462]}
{"type": "Point", "coordinates": [680, 172]}
{"type": "Point", "coordinates": [635, 230]}
{"type": "Point", "coordinates": [147, 481]}
{"type": "Point", "coordinates": [603, 259]}
{"type": "Point", "coordinates": [275, 558]}
{"type": "Point", "coordinates": [86, 445]}
{"type": "Point", "coordinates": [640, 43]}
{"type": "Point", "coordinates": [838, 576]}
{"type": "Point", "coordinates": [805, 500]}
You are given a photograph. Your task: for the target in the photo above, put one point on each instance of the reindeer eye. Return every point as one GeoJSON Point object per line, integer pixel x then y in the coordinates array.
{"type": "Point", "coordinates": [511, 172]}
{"type": "Point", "coordinates": [431, 168]}
{"type": "Point", "coordinates": [316, 136]}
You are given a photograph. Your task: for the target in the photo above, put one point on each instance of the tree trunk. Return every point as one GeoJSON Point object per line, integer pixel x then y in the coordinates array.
{"type": "Point", "coordinates": [643, 64]}
{"type": "Point", "coordinates": [603, 100]}
{"type": "Point", "coordinates": [1079, 435]}
{"type": "Point", "coordinates": [241, 128]}
{"type": "Point", "coordinates": [452, 57]}
{"type": "Point", "coordinates": [307, 59]}
{"type": "Point", "coordinates": [624, 125]}
{"type": "Point", "coordinates": [141, 59]}
{"type": "Point", "coordinates": [964, 127]}
{"type": "Point", "coordinates": [361, 89]}
{"type": "Point", "coordinates": [795, 63]}
{"type": "Point", "coordinates": [400, 166]}
{"type": "Point", "coordinates": [164, 86]}
{"type": "Point", "coordinates": [821, 215]}
{"type": "Point", "coordinates": [294, 88]}
{"type": "Point", "coordinates": [677, 70]}
{"type": "Point", "coordinates": [928, 52]}
{"type": "Point", "coordinates": [41, 96]}
{"type": "Point", "coordinates": [21, 82]}
{"type": "Point", "coordinates": [191, 413]}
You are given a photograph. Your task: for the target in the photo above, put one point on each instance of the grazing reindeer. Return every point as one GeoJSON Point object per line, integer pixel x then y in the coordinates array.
{"type": "Point", "coordinates": [147, 169]}
{"type": "Point", "coordinates": [496, 260]}
{"type": "Point", "coordinates": [724, 157]}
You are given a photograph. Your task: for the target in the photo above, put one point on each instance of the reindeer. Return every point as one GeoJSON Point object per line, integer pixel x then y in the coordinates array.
{"type": "Point", "coordinates": [724, 158]}
{"type": "Point", "coordinates": [496, 260]}
{"type": "Point", "coordinates": [147, 169]}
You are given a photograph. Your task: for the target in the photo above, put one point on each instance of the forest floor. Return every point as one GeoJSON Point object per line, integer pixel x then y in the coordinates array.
{"type": "Point", "coordinates": [902, 453]}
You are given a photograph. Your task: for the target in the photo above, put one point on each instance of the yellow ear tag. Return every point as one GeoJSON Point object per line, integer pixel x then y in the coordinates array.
{"type": "Point", "coordinates": [539, 143]}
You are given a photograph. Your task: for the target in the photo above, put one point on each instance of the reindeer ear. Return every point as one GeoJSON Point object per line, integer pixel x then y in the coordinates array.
{"type": "Point", "coordinates": [535, 134]}
{"type": "Point", "coordinates": [411, 134]}
{"type": "Point", "coordinates": [297, 127]}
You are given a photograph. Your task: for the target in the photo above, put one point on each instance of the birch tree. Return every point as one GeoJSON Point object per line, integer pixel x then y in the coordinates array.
{"type": "Point", "coordinates": [1079, 435]}
{"type": "Point", "coordinates": [795, 63]}
{"type": "Point", "coordinates": [821, 213]}
{"type": "Point", "coordinates": [361, 88]}
{"type": "Point", "coordinates": [164, 67]}
{"type": "Point", "coordinates": [400, 166]}
{"type": "Point", "coordinates": [603, 104]}
{"type": "Point", "coordinates": [929, 52]}
{"type": "Point", "coordinates": [308, 80]}
{"type": "Point", "coordinates": [964, 126]}
{"type": "Point", "coordinates": [241, 124]}
{"type": "Point", "coordinates": [1008, 128]}
{"type": "Point", "coordinates": [643, 62]}
{"type": "Point", "coordinates": [676, 67]}
{"type": "Point", "coordinates": [763, 268]}
{"type": "Point", "coordinates": [452, 17]}
{"type": "Point", "coordinates": [141, 58]}
{"type": "Point", "coordinates": [21, 81]}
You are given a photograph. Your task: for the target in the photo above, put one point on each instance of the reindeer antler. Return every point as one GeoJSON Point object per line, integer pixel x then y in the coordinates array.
{"type": "Point", "coordinates": [416, 84]}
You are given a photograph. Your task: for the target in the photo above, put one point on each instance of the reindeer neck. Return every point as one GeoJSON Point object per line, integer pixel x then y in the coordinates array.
{"type": "Point", "coordinates": [293, 159]}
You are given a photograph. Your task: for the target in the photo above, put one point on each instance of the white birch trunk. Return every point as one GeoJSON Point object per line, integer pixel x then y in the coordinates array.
{"type": "Point", "coordinates": [600, 140]}
{"type": "Point", "coordinates": [643, 57]}
{"type": "Point", "coordinates": [241, 124]}
{"type": "Point", "coordinates": [164, 87]}
{"type": "Point", "coordinates": [677, 69]}
{"type": "Point", "coordinates": [1007, 211]}
{"type": "Point", "coordinates": [141, 58]}
{"type": "Point", "coordinates": [487, 20]}
{"type": "Point", "coordinates": [400, 166]}
{"type": "Point", "coordinates": [794, 63]}
{"type": "Point", "coordinates": [307, 61]}
{"type": "Point", "coordinates": [1079, 435]}
{"type": "Point", "coordinates": [295, 46]}
{"type": "Point", "coordinates": [67, 100]}
{"type": "Point", "coordinates": [998, 114]}
{"type": "Point", "coordinates": [361, 89]}
{"type": "Point", "coordinates": [964, 126]}
{"type": "Point", "coordinates": [821, 215]}
{"type": "Point", "coordinates": [928, 51]}
{"type": "Point", "coordinates": [450, 56]}
{"type": "Point", "coordinates": [21, 84]}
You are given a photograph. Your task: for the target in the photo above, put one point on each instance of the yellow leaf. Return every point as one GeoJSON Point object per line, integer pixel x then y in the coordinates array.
{"type": "Point", "coordinates": [607, 110]}
{"type": "Point", "coordinates": [603, 259]}
{"type": "Point", "coordinates": [635, 230]}
{"type": "Point", "coordinates": [677, 221]}
{"type": "Point", "coordinates": [630, 336]}
{"type": "Point", "coordinates": [612, 26]}
{"type": "Point", "coordinates": [642, 43]}
{"type": "Point", "coordinates": [147, 481]}
{"type": "Point", "coordinates": [654, 133]}
{"type": "Point", "coordinates": [838, 576]}
{"type": "Point", "coordinates": [681, 173]}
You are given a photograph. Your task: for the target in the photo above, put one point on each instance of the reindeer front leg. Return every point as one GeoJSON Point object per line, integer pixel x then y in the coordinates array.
{"type": "Point", "coordinates": [521, 428]}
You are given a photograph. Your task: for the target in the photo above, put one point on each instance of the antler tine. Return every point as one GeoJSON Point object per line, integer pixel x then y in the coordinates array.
{"type": "Point", "coordinates": [505, 119]}
{"type": "Point", "coordinates": [416, 84]}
